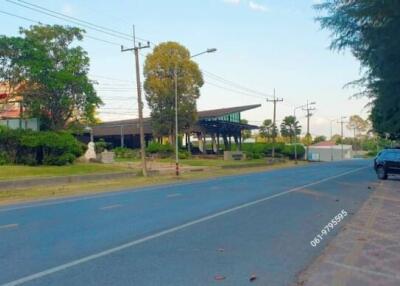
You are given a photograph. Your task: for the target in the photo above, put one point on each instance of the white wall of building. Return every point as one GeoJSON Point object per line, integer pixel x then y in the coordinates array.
{"type": "Point", "coordinates": [327, 153]}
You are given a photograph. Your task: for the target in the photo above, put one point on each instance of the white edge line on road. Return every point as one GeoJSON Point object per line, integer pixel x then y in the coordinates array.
{"type": "Point", "coordinates": [14, 225]}
{"type": "Point", "coordinates": [165, 232]}
{"type": "Point", "coordinates": [59, 201]}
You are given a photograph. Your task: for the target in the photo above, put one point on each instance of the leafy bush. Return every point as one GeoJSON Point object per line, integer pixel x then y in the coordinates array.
{"type": "Point", "coordinates": [101, 145]}
{"type": "Point", "coordinates": [288, 150]}
{"type": "Point", "coordinates": [3, 158]}
{"type": "Point", "coordinates": [38, 148]}
{"type": "Point", "coordinates": [122, 152]}
{"type": "Point", "coordinates": [155, 147]}
{"type": "Point", "coordinates": [259, 150]}
{"type": "Point", "coordinates": [183, 154]}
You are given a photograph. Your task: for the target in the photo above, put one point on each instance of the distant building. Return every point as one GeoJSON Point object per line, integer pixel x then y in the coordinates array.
{"type": "Point", "coordinates": [11, 110]}
{"type": "Point", "coordinates": [328, 151]}
{"type": "Point", "coordinates": [220, 126]}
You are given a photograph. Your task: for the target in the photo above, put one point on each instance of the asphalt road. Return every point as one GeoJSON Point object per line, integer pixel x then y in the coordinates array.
{"type": "Point", "coordinates": [194, 233]}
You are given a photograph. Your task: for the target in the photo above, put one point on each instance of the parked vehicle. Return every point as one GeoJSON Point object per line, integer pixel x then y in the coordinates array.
{"type": "Point", "coordinates": [387, 162]}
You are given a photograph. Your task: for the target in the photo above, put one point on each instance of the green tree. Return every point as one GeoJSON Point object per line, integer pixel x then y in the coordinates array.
{"type": "Point", "coordinates": [370, 30]}
{"type": "Point", "coordinates": [159, 71]}
{"type": "Point", "coordinates": [51, 72]}
{"type": "Point", "coordinates": [319, 139]}
{"type": "Point", "coordinates": [337, 139]}
{"type": "Point", "coordinates": [246, 134]}
{"type": "Point", "coordinates": [290, 128]}
{"type": "Point", "coordinates": [358, 125]}
{"type": "Point", "coordinates": [267, 129]}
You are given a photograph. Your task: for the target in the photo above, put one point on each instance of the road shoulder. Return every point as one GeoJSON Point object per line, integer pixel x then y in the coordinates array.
{"type": "Point", "coordinates": [367, 251]}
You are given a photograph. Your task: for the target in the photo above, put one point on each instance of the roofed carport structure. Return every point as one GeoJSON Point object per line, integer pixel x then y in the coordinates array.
{"type": "Point", "coordinates": [221, 123]}
{"type": "Point", "coordinates": [218, 123]}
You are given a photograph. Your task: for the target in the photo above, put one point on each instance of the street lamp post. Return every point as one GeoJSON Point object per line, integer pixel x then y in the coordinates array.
{"type": "Point", "coordinates": [176, 108]}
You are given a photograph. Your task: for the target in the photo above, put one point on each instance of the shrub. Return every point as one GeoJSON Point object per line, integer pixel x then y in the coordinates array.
{"type": "Point", "coordinates": [122, 152]}
{"type": "Point", "coordinates": [288, 150]}
{"type": "Point", "coordinates": [3, 158]}
{"type": "Point", "coordinates": [259, 150]}
{"type": "Point", "coordinates": [183, 154]}
{"type": "Point", "coordinates": [159, 148]}
{"type": "Point", "coordinates": [101, 145]}
{"type": "Point", "coordinates": [37, 148]}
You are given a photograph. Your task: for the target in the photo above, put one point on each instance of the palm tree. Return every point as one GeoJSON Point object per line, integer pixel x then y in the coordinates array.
{"type": "Point", "coordinates": [290, 128]}
{"type": "Point", "coordinates": [267, 129]}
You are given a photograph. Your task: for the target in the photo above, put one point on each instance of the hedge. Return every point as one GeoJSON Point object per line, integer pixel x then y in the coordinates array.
{"type": "Point", "coordinates": [155, 147]}
{"type": "Point", "coordinates": [38, 147]}
{"type": "Point", "coordinates": [289, 151]}
{"type": "Point", "coordinates": [259, 150]}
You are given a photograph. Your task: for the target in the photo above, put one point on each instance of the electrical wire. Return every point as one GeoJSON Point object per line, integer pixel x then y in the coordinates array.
{"type": "Point", "coordinates": [40, 23]}
{"type": "Point", "coordinates": [77, 19]}
{"type": "Point", "coordinates": [65, 18]}
{"type": "Point", "coordinates": [231, 90]}
{"type": "Point", "coordinates": [233, 84]}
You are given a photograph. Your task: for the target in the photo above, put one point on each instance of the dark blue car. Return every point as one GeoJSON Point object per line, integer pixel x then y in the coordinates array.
{"type": "Point", "coordinates": [387, 162]}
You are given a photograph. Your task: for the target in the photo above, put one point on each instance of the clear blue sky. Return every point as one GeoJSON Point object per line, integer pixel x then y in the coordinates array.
{"type": "Point", "coordinates": [262, 45]}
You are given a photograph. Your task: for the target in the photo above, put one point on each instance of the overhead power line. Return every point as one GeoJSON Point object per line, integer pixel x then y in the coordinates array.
{"type": "Point", "coordinates": [112, 78]}
{"type": "Point", "coordinates": [232, 90]}
{"type": "Point", "coordinates": [41, 23]}
{"type": "Point", "coordinates": [236, 85]}
{"type": "Point", "coordinates": [76, 21]}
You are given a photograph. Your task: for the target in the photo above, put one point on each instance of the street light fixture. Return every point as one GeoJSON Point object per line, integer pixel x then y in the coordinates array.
{"type": "Point", "coordinates": [90, 130]}
{"type": "Point", "coordinates": [211, 50]}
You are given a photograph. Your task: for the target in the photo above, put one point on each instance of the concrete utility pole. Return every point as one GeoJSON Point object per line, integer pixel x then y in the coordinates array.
{"type": "Point", "coordinates": [342, 122]}
{"type": "Point", "coordinates": [309, 107]}
{"type": "Point", "coordinates": [176, 107]}
{"type": "Point", "coordinates": [295, 135]}
{"type": "Point", "coordinates": [274, 128]}
{"type": "Point", "coordinates": [331, 121]}
{"type": "Point", "coordinates": [139, 97]}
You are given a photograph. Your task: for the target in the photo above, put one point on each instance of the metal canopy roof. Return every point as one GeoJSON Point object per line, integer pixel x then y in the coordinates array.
{"type": "Point", "coordinates": [131, 126]}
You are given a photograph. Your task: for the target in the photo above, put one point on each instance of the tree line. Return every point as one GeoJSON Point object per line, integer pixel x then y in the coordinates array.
{"type": "Point", "coordinates": [370, 29]}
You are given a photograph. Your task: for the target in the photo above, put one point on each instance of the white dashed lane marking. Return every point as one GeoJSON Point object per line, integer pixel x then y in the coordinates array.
{"type": "Point", "coordinates": [110, 207]}
{"type": "Point", "coordinates": [173, 195]}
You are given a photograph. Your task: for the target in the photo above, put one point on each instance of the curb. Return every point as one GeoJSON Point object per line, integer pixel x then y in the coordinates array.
{"type": "Point", "coordinates": [47, 181]}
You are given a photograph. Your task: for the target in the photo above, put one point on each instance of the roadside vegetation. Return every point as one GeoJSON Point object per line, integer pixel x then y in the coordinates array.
{"type": "Point", "coordinates": [9, 196]}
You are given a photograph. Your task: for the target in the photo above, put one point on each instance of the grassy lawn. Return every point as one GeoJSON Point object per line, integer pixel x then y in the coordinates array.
{"type": "Point", "coordinates": [19, 172]}
{"type": "Point", "coordinates": [216, 162]}
{"type": "Point", "coordinates": [74, 189]}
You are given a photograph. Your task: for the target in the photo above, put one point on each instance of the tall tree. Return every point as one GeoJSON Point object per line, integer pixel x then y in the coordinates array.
{"type": "Point", "coordinates": [319, 139]}
{"type": "Point", "coordinates": [370, 30]}
{"type": "Point", "coordinates": [357, 124]}
{"type": "Point", "coordinates": [159, 70]}
{"type": "Point", "coordinates": [290, 128]}
{"type": "Point", "coordinates": [267, 129]}
{"type": "Point", "coordinates": [51, 74]}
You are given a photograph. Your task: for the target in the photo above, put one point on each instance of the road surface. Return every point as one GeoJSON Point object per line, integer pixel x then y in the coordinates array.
{"type": "Point", "coordinates": [209, 232]}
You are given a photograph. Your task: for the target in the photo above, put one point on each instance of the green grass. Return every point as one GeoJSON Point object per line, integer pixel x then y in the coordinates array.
{"type": "Point", "coordinates": [27, 194]}
{"type": "Point", "coordinates": [216, 162]}
{"type": "Point", "coordinates": [18, 172]}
